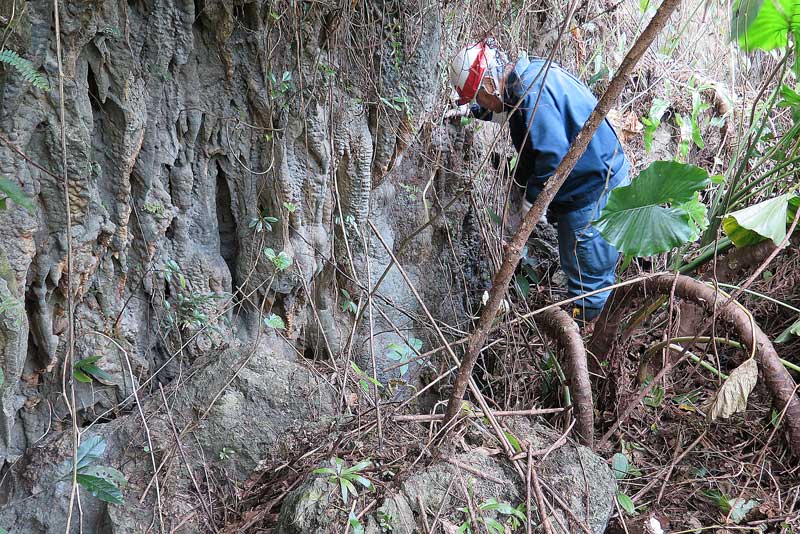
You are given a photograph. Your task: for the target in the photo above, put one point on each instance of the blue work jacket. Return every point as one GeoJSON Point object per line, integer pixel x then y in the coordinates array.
{"type": "Point", "coordinates": [564, 104]}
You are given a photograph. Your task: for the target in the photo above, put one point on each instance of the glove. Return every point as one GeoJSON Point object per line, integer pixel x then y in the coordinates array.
{"type": "Point", "coordinates": [526, 207]}
{"type": "Point", "coordinates": [460, 111]}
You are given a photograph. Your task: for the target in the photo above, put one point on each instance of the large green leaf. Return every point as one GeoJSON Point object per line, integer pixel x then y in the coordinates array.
{"type": "Point", "coordinates": [740, 508]}
{"type": "Point", "coordinates": [656, 212]}
{"type": "Point", "coordinates": [765, 220]}
{"type": "Point", "coordinates": [626, 503]}
{"type": "Point", "coordinates": [619, 465]}
{"type": "Point", "coordinates": [85, 369]}
{"type": "Point", "coordinates": [791, 100]}
{"type": "Point", "coordinates": [764, 24]}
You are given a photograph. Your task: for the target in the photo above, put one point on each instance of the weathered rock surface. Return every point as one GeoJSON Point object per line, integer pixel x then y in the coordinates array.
{"type": "Point", "coordinates": [580, 478]}
{"type": "Point", "coordinates": [192, 127]}
{"type": "Point", "coordinates": [181, 130]}
{"type": "Point", "coordinates": [185, 122]}
{"type": "Point", "coordinates": [265, 405]}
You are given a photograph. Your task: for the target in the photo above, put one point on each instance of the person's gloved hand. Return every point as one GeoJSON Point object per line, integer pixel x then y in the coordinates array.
{"type": "Point", "coordinates": [460, 111]}
{"type": "Point", "coordinates": [525, 208]}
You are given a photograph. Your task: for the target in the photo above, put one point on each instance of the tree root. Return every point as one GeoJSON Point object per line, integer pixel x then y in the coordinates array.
{"type": "Point", "coordinates": [777, 379]}
{"type": "Point", "coordinates": [558, 325]}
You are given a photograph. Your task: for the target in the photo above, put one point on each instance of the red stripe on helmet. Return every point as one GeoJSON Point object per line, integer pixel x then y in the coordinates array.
{"type": "Point", "coordinates": [474, 78]}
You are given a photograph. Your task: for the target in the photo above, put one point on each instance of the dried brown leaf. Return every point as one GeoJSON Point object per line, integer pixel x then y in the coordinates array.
{"type": "Point", "coordinates": [732, 396]}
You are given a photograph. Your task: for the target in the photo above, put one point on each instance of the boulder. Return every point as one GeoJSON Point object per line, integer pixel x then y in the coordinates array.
{"type": "Point", "coordinates": [581, 480]}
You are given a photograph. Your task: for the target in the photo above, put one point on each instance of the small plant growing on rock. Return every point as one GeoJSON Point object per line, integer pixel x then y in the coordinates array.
{"type": "Point", "coordinates": [346, 477]}
{"type": "Point", "coordinates": [263, 222]}
{"type": "Point", "coordinates": [154, 208]}
{"type": "Point", "coordinates": [281, 261]}
{"type": "Point", "coordinates": [101, 481]}
{"type": "Point", "coordinates": [385, 521]}
{"type": "Point", "coordinates": [13, 308]}
{"type": "Point", "coordinates": [171, 268]}
{"type": "Point", "coordinates": [280, 88]}
{"type": "Point", "coordinates": [187, 310]}
{"type": "Point", "coordinates": [11, 191]}
{"type": "Point", "coordinates": [275, 321]}
{"type": "Point", "coordinates": [85, 370]}
{"type": "Point", "coordinates": [348, 305]}
{"type": "Point", "coordinates": [364, 379]}
{"type": "Point", "coordinates": [411, 191]}
{"type": "Point", "coordinates": [493, 526]}
{"type": "Point", "coordinates": [404, 353]}
{"type": "Point", "coordinates": [25, 68]}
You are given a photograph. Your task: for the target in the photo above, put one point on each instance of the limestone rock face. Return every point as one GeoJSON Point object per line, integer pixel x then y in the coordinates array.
{"type": "Point", "coordinates": [206, 142]}
{"type": "Point", "coordinates": [271, 405]}
{"type": "Point", "coordinates": [183, 128]}
{"type": "Point", "coordinates": [225, 163]}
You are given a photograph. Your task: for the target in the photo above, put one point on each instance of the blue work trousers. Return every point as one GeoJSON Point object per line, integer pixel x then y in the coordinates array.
{"type": "Point", "coordinates": [587, 259]}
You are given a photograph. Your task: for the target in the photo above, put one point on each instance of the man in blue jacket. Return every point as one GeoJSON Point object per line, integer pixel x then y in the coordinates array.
{"type": "Point", "coordinates": [546, 107]}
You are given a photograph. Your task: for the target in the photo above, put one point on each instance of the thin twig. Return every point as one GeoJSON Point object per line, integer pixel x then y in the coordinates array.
{"type": "Point", "coordinates": [442, 504]}
{"type": "Point", "coordinates": [210, 518]}
{"type": "Point", "coordinates": [423, 515]}
{"type": "Point", "coordinates": [426, 418]}
{"type": "Point", "coordinates": [146, 427]}
{"type": "Point", "coordinates": [548, 528]}
{"type": "Point", "coordinates": [476, 472]}
{"type": "Point", "coordinates": [473, 387]}
{"type": "Point", "coordinates": [544, 453]}
{"type": "Point", "coordinates": [69, 400]}
{"type": "Point", "coordinates": [528, 494]}
{"type": "Point", "coordinates": [565, 507]}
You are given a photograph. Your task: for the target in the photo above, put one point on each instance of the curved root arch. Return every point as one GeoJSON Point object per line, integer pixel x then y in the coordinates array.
{"type": "Point", "coordinates": [559, 326]}
{"type": "Point", "coordinates": [777, 379]}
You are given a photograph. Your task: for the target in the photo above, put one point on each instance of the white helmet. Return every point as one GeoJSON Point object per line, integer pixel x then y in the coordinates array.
{"type": "Point", "coordinates": [471, 65]}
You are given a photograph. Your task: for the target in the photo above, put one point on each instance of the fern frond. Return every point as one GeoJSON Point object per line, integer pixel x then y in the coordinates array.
{"type": "Point", "coordinates": [25, 68]}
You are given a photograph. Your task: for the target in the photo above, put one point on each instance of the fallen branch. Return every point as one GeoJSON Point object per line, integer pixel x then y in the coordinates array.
{"type": "Point", "coordinates": [544, 451]}
{"type": "Point", "coordinates": [473, 386]}
{"type": "Point", "coordinates": [576, 150]}
{"type": "Point", "coordinates": [476, 472]}
{"type": "Point", "coordinates": [427, 418]}
{"type": "Point", "coordinates": [548, 529]}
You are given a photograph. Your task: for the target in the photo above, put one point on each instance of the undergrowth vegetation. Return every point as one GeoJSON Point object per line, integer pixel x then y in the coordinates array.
{"type": "Point", "coordinates": [691, 369]}
{"type": "Point", "coordinates": [716, 159]}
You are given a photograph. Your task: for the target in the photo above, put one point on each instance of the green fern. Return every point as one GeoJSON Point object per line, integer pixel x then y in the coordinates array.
{"type": "Point", "coordinates": [25, 68]}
